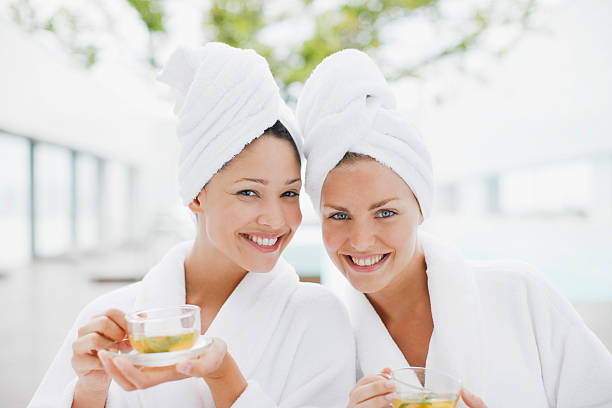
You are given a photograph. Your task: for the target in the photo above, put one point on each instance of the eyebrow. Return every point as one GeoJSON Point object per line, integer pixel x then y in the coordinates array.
{"type": "Point", "coordinates": [293, 181]}
{"type": "Point", "coordinates": [253, 180]}
{"type": "Point", "coordinates": [341, 209]}
{"type": "Point", "coordinates": [372, 207]}
{"type": "Point", "coordinates": [381, 203]}
{"type": "Point", "coordinates": [265, 182]}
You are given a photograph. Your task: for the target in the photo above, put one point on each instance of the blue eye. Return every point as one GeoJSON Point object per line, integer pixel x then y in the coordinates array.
{"type": "Point", "coordinates": [247, 193]}
{"type": "Point", "coordinates": [339, 216]}
{"type": "Point", "coordinates": [289, 194]}
{"type": "Point", "coordinates": [385, 214]}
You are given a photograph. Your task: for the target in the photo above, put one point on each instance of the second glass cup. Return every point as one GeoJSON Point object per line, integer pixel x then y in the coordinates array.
{"type": "Point", "coordinates": [418, 387]}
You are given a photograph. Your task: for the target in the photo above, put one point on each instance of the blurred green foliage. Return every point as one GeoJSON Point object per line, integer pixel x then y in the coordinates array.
{"type": "Point", "coordinates": [63, 22]}
{"type": "Point", "coordinates": [356, 24]}
{"type": "Point", "coordinates": [150, 12]}
{"type": "Point", "coordinates": [237, 22]}
{"type": "Point", "coordinates": [350, 24]}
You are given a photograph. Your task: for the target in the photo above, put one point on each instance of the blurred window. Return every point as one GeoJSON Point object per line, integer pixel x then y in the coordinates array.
{"type": "Point", "coordinates": [14, 202]}
{"type": "Point", "coordinates": [116, 196]}
{"type": "Point", "coordinates": [52, 203]}
{"type": "Point", "coordinates": [554, 190]}
{"type": "Point", "coordinates": [87, 201]}
{"type": "Point", "coordinates": [447, 198]}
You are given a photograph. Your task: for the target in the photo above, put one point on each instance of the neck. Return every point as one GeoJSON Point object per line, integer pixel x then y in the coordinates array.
{"type": "Point", "coordinates": [210, 277]}
{"type": "Point", "coordinates": [406, 297]}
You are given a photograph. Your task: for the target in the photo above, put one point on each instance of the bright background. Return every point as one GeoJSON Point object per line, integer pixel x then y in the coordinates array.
{"type": "Point", "coordinates": [518, 125]}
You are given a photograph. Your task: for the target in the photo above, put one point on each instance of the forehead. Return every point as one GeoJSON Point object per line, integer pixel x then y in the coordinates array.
{"type": "Point", "coordinates": [266, 157]}
{"type": "Point", "coordinates": [361, 183]}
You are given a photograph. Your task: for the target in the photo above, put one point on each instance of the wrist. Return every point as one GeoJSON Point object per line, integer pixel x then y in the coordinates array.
{"type": "Point", "coordinates": [226, 383]}
{"type": "Point", "coordinates": [227, 369]}
{"type": "Point", "coordinates": [85, 396]}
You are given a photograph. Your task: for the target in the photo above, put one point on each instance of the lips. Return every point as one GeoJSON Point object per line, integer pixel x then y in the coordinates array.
{"type": "Point", "coordinates": [366, 263]}
{"type": "Point", "coordinates": [263, 242]}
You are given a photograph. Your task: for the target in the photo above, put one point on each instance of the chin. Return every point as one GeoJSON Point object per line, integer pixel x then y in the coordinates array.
{"type": "Point", "coordinates": [260, 266]}
{"type": "Point", "coordinates": [365, 285]}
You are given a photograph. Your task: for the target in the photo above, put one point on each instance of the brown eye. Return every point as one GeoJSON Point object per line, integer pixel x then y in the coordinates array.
{"type": "Point", "coordinates": [247, 193]}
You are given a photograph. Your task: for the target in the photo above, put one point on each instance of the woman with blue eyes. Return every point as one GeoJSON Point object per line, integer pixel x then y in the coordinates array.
{"type": "Point", "coordinates": [414, 301]}
{"type": "Point", "coordinates": [277, 342]}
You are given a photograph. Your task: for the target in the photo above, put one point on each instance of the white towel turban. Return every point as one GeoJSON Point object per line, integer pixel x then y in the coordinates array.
{"type": "Point", "coordinates": [347, 106]}
{"type": "Point", "coordinates": [226, 97]}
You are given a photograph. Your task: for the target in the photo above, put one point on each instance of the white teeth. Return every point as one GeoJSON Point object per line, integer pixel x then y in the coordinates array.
{"type": "Point", "coordinates": [367, 261]}
{"type": "Point", "coordinates": [263, 241]}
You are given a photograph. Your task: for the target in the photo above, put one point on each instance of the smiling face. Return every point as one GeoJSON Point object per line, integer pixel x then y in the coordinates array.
{"type": "Point", "coordinates": [250, 209]}
{"type": "Point", "coordinates": [369, 218]}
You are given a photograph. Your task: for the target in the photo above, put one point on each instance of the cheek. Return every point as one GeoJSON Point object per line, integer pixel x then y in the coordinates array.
{"type": "Point", "coordinates": [401, 236]}
{"type": "Point", "coordinates": [333, 237]}
{"type": "Point", "coordinates": [293, 215]}
{"type": "Point", "coordinates": [224, 219]}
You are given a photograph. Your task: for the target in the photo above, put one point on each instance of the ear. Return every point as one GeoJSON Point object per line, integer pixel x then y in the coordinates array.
{"type": "Point", "coordinates": [196, 205]}
{"type": "Point", "coordinates": [421, 217]}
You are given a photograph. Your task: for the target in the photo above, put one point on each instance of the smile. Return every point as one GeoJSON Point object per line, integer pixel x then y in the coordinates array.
{"type": "Point", "coordinates": [263, 242]}
{"type": "Point", "coordinates": [366, 263]}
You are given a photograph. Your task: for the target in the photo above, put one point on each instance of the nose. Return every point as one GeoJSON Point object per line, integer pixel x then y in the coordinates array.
{"type": "Point", "coordinates": [362, 236]}
{"type": "Point", "coordinates": [272, 215]}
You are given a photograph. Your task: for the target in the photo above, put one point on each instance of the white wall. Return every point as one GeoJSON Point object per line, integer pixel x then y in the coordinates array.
{"type": "Point", "coordinates": [547, 100]}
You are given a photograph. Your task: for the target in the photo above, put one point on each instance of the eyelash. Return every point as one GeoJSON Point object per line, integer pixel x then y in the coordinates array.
{"type": "Point", "coordinates": [336, 216]}
{"type": "Point", "coordinates": [246, 193]}
{"type": "Point", "coordinates": [391, 213]}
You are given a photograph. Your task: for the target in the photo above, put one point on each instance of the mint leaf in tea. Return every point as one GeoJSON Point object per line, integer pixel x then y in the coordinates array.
{"type": "Point", "coordinates": [161, 344]}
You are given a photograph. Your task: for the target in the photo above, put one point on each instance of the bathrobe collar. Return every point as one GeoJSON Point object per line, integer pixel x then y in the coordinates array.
{"type": "Point", "coordinates": [248, 317]}
{"type": "Point", "coordinates": [457, 341]}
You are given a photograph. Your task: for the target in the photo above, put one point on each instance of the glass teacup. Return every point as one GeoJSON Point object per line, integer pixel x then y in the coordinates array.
{"type": "Point", "coordinates": [165, 329]}
{"type": "Point", "coordinates": [418, 387]}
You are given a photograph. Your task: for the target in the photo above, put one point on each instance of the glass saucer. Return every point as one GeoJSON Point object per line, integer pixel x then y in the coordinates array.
{"type": "Point", "coordinates": [163, 359]}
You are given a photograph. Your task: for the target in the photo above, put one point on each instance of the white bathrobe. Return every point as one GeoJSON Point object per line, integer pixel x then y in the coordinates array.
{"type": "Point", "coordinates": [502, 329]}
{"type": "Point", "coordinates": [292, 341]}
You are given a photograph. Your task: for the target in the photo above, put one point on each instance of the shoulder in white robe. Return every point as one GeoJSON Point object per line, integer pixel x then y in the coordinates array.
{"type": "Point", "coordinates": [292, 341]}
{"type": "Point", "coordinates": [502, 329]}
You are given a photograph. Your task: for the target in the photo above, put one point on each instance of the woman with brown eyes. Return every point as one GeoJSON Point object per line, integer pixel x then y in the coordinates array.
{"type": "Point", "coordinates": [277, 342]}
{"type": "Point", "coordinates": [414, 301]}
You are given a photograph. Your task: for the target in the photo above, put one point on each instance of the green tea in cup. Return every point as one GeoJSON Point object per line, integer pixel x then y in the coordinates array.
{"type": "Point", "coordinates": [418, 387]}
{"type": "Point", "coordinates": [425, 402]}
{"type": "Point", "coordinates": [165, 329]}
{"type": "Point", "coordinates": [163, 343]}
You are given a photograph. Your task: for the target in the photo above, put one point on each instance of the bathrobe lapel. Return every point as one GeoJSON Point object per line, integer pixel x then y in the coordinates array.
{"type": "Point", "coordinates": [247, 319]}
{"type": "Point", "coordinates": [164, 284]}
{"type": "Point", "coordinates": [457, 342]}
{"type": "Point", "coordinates": [375, 346]}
